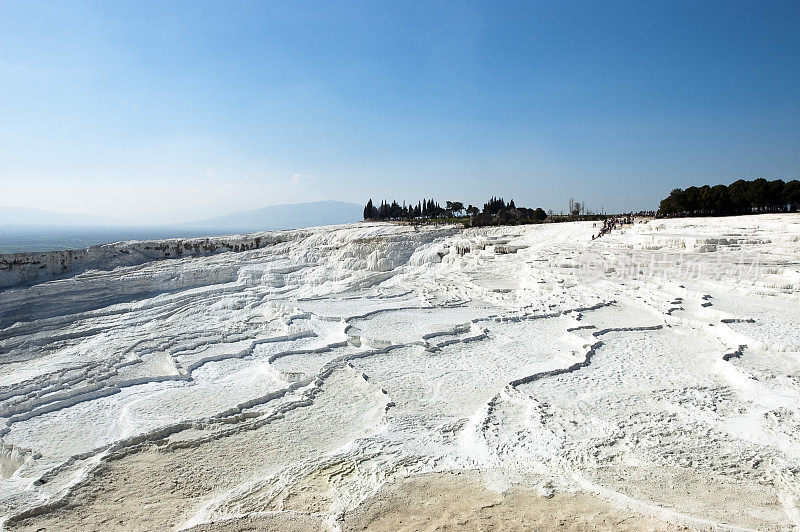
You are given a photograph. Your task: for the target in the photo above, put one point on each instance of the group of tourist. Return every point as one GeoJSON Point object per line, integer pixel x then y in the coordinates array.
{"type": "Point", "coordinates": [610, 224]}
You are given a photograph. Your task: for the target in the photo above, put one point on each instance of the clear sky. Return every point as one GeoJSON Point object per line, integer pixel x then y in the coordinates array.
{"type": "Point", "coordinates": [165, 111]}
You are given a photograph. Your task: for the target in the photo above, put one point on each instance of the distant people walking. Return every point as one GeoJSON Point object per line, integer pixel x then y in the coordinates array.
{"type": "Point", "coordinates": [609, 224]}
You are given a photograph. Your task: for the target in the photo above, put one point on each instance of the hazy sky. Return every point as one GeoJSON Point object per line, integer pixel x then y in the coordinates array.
{"type": "Point", "coordinates": [160, 111]}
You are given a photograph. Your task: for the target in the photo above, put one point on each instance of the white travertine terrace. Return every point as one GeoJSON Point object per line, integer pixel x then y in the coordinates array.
{"type": "Point", "coordinates": [657, 368]}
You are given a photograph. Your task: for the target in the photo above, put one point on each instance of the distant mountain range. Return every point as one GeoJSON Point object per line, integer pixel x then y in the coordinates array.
{"type": "Point", "coordinates": [41, 217]}
{"type": "Point", "coordinates": [23, 229]}
{"type": "Point", "coordinates": [273, 217]}
{"type": "Point", "coordinates": [281, 217]}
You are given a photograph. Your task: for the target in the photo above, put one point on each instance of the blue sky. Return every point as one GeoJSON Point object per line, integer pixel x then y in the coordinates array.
{"type": "Point", "coordinates": [165, 111]}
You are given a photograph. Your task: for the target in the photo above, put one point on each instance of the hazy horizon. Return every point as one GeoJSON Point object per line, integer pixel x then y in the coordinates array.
{"type": "Point", "coordinates": [87, 219]}
{"type": "Point", "coordinates": [161, 112]}
{"type": "Point", "coordinates": [39, 230]}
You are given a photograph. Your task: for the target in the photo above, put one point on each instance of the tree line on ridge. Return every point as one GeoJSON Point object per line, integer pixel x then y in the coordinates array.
{"type": "Point", "coordinates": [741, 197]}
{"type": "Point", "coordinates": [495, 212]}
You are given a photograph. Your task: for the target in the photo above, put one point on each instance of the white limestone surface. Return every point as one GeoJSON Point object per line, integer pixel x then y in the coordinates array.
{"type": "Point", "coordinates": [657, 368]}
